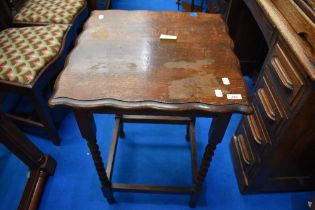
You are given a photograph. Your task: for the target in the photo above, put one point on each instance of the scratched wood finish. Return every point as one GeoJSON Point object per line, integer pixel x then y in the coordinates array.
{"type": "Point", "coordinates": [119, 61]}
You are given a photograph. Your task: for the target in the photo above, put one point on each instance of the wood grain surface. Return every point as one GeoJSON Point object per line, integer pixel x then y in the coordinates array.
{"type": "Point", "coordinates": [120, 62]}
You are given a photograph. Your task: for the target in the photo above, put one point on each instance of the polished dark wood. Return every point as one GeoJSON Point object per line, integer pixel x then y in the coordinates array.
{"type": "Point", "coordinates": [250, 46]}
{"type": "Point", "coordinates": [155, 119]}
{"type": "Point", "coordinates": [113, 147]}
{"type": "Point", "coordinates": [191, 137]}
{"type": "Point", "coordinates": [129, 72]}
{"type": "Point", "coordinates": [40, 164]}
{"type": "Point", "coordinates": [272, 149]}
{"type": "Point", "coordinates": [215, 136]}
{"type": "Point", "coordinates": [87, 127]}
{"type": "Point", "coordinates": [175, 76]}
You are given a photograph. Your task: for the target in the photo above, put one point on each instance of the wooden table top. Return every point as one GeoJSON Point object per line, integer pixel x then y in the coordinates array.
{"type": "Point", "coordinates": [120, 63]}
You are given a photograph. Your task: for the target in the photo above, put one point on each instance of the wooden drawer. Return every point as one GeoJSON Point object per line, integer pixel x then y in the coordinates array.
{"type": "Point", "coordinates": [245, 153]}
{"type": "Point", "coordinates": [285, 76]}
{"type": "Point", "coordinates": [264, 24]}
{"type": "Point", "coordinates": [256, 132]}
{"type": "Point", "coordinates": [270, 108]}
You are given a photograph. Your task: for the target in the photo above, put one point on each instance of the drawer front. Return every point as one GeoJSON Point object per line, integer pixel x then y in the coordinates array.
{"type": "Point", "coordinates": [256, 132]}
{"type": "Point", "coordinates": [261, 19]}
{"type": "Point", "coordinates": [272, 113]}
{"type": "Point", "coordinates": [285, 77]}
{"type": "Point", "coordinates": [245, 153]}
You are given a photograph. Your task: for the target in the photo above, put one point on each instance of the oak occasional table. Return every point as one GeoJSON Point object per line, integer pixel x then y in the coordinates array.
{"type": "Point", "coordinates": [120, 66]}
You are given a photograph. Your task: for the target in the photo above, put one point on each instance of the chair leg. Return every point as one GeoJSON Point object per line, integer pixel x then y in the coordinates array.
{"type": "Point", "coordinates": [1, 100]}
{"type": "Point", "coordinates": [41, 165]}
{"type": "Point", "coordinates": [41, 108]}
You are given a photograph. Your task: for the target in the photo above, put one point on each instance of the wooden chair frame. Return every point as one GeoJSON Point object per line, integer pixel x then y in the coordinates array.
{"type": "Point", "coordinates": [36, 89]}
{"type": "Point", "coordinates": [34, 92]}
{"type": "Point", "coordinates": [40, 164]}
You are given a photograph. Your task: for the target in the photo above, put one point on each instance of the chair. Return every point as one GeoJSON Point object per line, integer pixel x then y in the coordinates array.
{"type": "Point", "coordinates": [30, 59]}
{"type": "Point", "coordinates": [40, 164]}
{"type": "Point", "coordinates": [43, 12]}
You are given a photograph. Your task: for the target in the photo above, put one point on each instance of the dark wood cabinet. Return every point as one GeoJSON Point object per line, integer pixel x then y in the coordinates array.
{"type": "Point", "coordinates": [250, 45]}
{"type": "Point", "coordinates": [274, 149]}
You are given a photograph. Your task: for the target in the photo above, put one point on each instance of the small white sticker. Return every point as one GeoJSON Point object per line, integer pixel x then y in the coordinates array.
{"type": "Point", "coordinates": [310, 204]}
{"type": "Point", "coordinates": [218, 93]}
{"type": "Point", "coordinates": [101, 17]}
{"type": "Point", "coordinates": [234, 96]}
{"type": "Point", "coordinates": [167, 37]}
{"type": "Point", "coordinates": [28, 174]}
{"type": "Point", "coordinates": [226, 81]}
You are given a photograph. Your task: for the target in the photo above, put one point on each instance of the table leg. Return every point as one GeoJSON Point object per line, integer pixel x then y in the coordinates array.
{"type": "Point", "coordinates": [215, 136]}
{"type": "Point", "coordinates": [87, 128]}
{"type": "Point", "coordinates": [187, 132]}
{"type": "Point", "coordinates": [121, 127]}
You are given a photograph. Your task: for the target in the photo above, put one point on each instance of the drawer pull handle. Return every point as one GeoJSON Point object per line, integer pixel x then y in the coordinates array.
{"type": "Point", "coordinates": [254, 129]}
{"type": "Point", "coordinates": [244, 152]}
{"type": "Point", "coordinates": [266, 104]}
{"type": "Point", "coordinates": [284, 78]}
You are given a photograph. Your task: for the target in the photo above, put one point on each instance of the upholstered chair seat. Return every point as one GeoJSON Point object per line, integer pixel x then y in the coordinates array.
{"type": "Point", "coordinates": [49, 11]}
{"type": "Point", "coordinates": [24, 52]}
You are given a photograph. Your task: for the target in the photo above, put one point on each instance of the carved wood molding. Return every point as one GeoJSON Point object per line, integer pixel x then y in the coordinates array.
{"type": "Point", "coordinates": [148, 106]}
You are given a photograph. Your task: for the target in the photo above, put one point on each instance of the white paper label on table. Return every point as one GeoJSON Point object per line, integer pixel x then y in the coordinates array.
{"type": "Point", "coordinates": [234, 96]}
{"type": "Point", "coordinates": [226, 81]}
{"type": "Point", "coordinates": [101, 17]}
{"type": "Point", "coordinates": [167, 37]}
{"type": "Point", "coordinates": [218, 93]}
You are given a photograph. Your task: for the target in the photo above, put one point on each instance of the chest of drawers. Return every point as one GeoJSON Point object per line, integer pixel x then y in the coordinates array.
{"type": "Point", "coordinates": [274, 149]}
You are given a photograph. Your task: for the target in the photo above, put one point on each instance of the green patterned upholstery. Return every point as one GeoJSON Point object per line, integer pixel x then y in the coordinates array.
{"type": "Point", "coordinates": [49, 11]}
{"type": "Point", "coordinates": [25, 51]}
